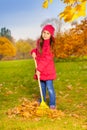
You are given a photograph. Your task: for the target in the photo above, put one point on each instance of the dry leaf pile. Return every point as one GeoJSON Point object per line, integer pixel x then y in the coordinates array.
{"type": "Point", "coordinates": [31, 110]}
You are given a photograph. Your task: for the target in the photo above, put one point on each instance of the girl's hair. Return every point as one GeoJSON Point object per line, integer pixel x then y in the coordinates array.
{"type": "Point", "coordinates": [41, 42]}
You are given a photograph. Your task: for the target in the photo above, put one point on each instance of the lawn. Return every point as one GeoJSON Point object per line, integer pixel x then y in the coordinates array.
{"type": "Point", "coordinates": [17, 83]}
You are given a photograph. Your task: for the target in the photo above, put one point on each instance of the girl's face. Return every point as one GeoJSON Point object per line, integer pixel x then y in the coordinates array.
{"type": "Point", "coordinates": [46, 35]}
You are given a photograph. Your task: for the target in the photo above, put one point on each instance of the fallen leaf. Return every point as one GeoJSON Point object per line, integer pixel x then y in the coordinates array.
{"type": "Point", "coordinates": [75, 115]}
{"type": "Point", "coordinates": [69, 87]}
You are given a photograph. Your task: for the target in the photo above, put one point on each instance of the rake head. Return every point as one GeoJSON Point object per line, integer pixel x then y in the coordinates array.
{"type": "Point", "coordinates": [42, 109]}
{"type": "Point", "coordinates": [43, 105]}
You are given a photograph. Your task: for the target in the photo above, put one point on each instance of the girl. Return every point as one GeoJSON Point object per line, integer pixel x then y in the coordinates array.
{"type": "Point", "coordinates": [45, 64]}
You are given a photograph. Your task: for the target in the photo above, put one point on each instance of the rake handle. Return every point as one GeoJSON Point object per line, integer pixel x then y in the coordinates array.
{"type": "Point", "coordinates": [38, 77]}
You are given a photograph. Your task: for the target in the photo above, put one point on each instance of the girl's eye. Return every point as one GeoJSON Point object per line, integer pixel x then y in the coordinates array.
{"type": "Point", "coordinates": [46, 33]}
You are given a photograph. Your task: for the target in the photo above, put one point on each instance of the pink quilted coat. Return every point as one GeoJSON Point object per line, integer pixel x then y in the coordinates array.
{"type": "Point", "coordinates": [45, 63]}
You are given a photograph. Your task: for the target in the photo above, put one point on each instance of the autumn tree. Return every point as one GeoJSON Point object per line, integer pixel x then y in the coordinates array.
{"type": "Point", "coordinates": [6, 48]}
{"type": "Point", "coordinates": [23, 49]}
{"type": "Point", "coordinates": [80, 31]}
{"type": "Point", "coordinates": [73, 42]}
{"type": "Point", "coordinates": [58, 48]}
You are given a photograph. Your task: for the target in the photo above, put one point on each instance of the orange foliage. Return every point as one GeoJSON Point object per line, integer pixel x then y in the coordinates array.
{"type": "Point", "coordinates": [72, 43]}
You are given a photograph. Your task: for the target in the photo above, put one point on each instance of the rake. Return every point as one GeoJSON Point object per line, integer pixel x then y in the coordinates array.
{"type": "Point", "coordinates": [43, 105]}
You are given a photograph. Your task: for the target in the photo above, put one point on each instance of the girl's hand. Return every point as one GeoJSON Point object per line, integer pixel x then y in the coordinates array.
{"type": "Point", "coordinates": [38, 73]}
{"type": "Point", "coordinates": [34, 55]}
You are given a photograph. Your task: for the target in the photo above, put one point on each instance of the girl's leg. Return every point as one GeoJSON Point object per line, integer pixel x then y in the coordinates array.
{"type": "Point", "coordinates": [43, 86]}
{"type": "Point", "coordinates": [49, 84]}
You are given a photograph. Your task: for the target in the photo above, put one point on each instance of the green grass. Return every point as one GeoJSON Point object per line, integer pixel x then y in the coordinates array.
{"type": "Point", "coordinates": [16, 82]}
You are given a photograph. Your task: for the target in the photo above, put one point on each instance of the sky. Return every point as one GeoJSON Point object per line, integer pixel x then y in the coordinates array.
{"type": "Point", "coordinates": [24, 17]}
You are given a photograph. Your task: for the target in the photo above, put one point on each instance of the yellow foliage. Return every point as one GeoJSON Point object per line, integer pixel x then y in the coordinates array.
{"type": "Point", "coordinates": [23, 46]}
{"type": "Point", "coordinates": [46, 3]}
{"type": "Point", "coordinates": [67, 14]}
{"type": "Point", "coordinates": [80, 10]}
{"type": "Point", "coordinates": [73, 10]}
{"type": "Point", "coordinates": [69, 1]}
{"type": "Point", "coordinates": [71, 13]}
{"type": "Point", "coordinates": [6, 47]}
{"type": "Point", "coordinates": [82, 0]}
{"type": "Point", "coordinates": [51, 1]}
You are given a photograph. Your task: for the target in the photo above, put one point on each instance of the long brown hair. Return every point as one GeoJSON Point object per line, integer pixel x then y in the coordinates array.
{"type": "Point", "coordinates": [41, 42]}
